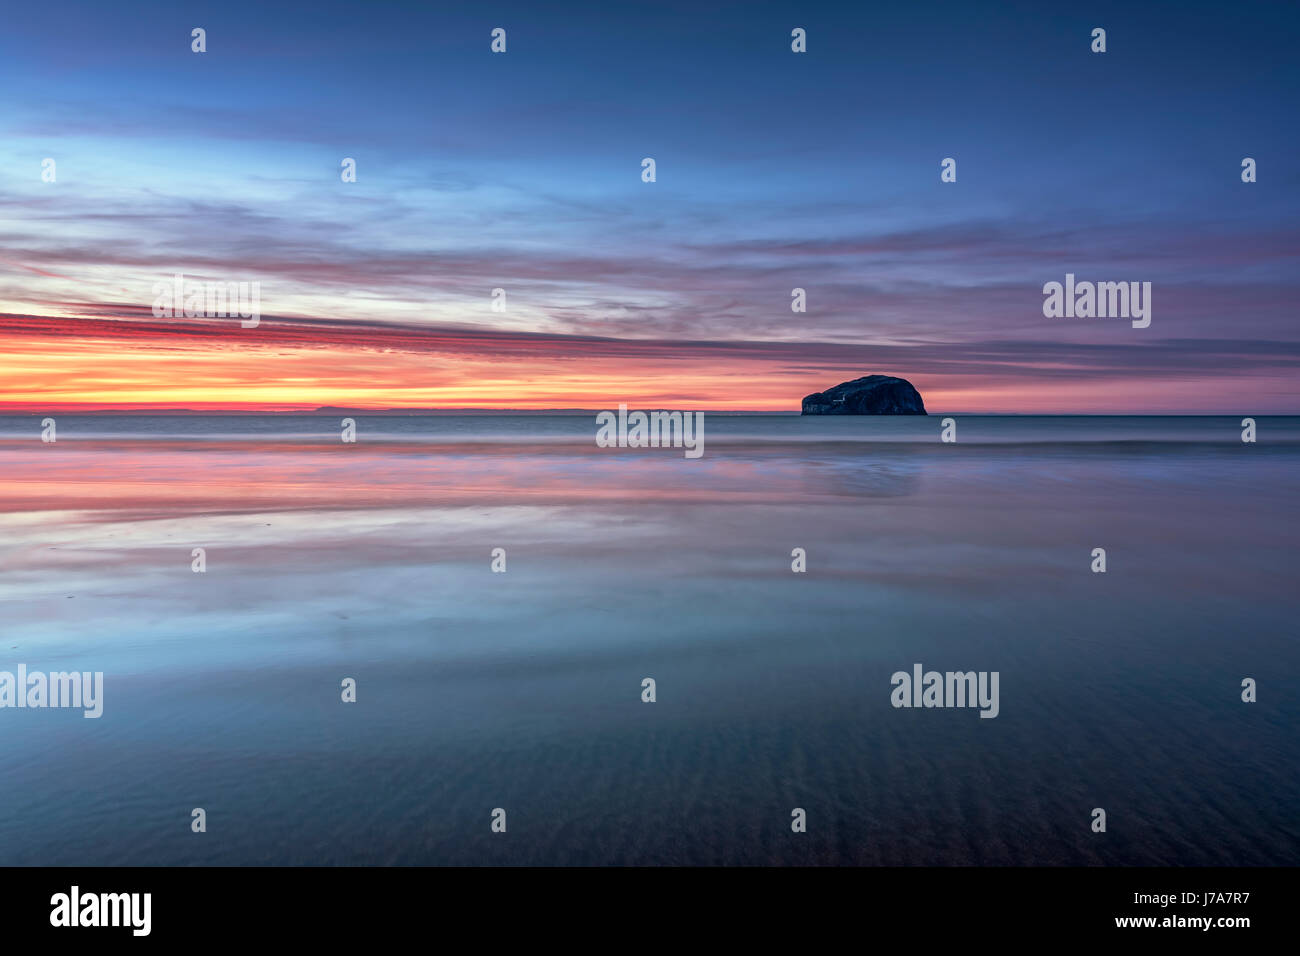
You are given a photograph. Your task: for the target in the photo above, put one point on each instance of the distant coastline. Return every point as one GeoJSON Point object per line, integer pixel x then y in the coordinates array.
{"type": "Point", "coordinates": [327, 411]}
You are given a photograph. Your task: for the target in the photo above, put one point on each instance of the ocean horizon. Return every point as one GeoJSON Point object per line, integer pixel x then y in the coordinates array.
{"type": "Point", "coordinates": [520, 687]}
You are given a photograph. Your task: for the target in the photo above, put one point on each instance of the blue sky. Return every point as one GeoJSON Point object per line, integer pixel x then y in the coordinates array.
{"type": "Point", "coordinates": [775, 170]}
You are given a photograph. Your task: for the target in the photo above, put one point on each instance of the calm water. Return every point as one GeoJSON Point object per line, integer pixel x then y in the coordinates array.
{"type": "Point", "coordinates": [522, 690]}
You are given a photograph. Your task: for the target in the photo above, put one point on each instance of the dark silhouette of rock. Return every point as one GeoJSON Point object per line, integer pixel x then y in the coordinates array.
{"type": "Point", "coordinates": [869, 395]}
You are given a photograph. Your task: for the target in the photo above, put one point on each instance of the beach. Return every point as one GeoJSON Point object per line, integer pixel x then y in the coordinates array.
{"type": "Point", "coordinates": [479, 689]}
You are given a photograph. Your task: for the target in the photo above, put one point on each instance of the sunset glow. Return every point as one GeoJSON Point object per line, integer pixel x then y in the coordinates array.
{"type": "Point", "coordinates": [776, 173]}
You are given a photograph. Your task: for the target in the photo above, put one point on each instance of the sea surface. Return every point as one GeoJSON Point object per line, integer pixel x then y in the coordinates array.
{"type": "Point", "coordinates": [522, 690]}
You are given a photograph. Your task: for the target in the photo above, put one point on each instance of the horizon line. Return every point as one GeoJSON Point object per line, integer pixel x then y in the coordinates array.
{"type": "Point", "coordinates": [7, 408]}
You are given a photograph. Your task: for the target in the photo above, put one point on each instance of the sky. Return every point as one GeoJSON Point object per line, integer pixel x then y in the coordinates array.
{"type": "Point", "coordinates": [775, 170]}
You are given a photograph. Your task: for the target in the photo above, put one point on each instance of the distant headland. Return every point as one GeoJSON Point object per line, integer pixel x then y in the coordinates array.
{"type": "Point", "coordinates": [869, 395]}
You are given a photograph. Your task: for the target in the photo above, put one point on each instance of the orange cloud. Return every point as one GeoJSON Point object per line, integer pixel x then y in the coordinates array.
{"type": "Point", "coordinates": [119, 357]}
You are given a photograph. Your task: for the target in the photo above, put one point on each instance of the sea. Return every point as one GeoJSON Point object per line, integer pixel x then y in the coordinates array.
{"type": "Point", "coordinates": [566, 654]}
